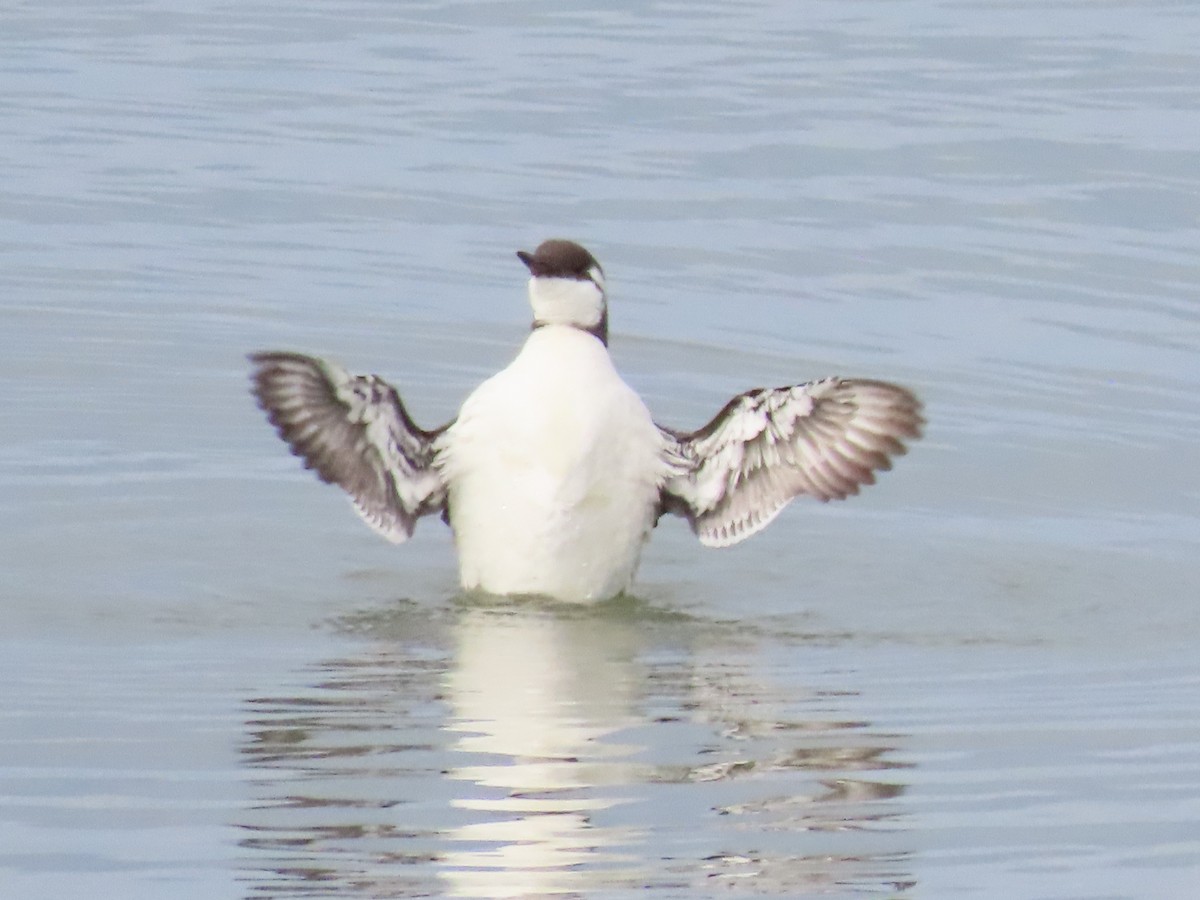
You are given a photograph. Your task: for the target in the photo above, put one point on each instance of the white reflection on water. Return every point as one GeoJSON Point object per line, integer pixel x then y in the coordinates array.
{"type": "Point", "coordinates": [588, 749]}
{"type": "Point", "coordinates": [536, 698]}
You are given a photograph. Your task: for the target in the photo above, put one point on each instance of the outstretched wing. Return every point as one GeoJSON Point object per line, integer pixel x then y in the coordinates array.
{"type": "Point", "coordinates": [826, 438]}
{"type": "Point", "coordinates": [353, 431]}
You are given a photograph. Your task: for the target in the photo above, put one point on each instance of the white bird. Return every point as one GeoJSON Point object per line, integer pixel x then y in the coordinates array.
{"type": "Point", "coordinates": [554, 473]}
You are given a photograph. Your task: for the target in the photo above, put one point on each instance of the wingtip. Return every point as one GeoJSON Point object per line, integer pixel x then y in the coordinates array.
{"type": "Point", "coordinates": [267, 357]}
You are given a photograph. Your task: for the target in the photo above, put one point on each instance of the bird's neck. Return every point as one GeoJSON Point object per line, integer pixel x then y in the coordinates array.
{"type": "Point", "coordinates": [567, 301]}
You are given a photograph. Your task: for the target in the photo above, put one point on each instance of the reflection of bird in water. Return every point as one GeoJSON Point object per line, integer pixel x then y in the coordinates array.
{"type": "Point", "coordinates": [553, 474]}
{"type": "Point", "coordinates": [535, 698]}
{"type": "Point", "coordinates": [525, 750]}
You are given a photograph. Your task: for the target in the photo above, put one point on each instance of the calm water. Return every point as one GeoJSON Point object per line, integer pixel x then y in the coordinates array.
{"type": "Point", "coordinates": [979, 679]}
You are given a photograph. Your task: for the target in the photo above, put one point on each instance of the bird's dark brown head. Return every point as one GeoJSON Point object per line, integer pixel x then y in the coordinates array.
{"type": "Point", "coordinates": [557, 258]}
{"type": "Point", "coordinates": [567, 288]}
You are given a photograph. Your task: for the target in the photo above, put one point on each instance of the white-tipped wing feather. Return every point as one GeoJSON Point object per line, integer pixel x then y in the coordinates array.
{"type": "Point", "coordinates": [354, 432]}
{"type": "Point", "coordinates": [826, 438]}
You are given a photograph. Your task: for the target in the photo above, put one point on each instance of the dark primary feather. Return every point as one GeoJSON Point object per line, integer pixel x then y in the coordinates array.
{"type": "Point", "coordinates": [353, 431]}
{"type": "Point", "coordinates": [826, 439]}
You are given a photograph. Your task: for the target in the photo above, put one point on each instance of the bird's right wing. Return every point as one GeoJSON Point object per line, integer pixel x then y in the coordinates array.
{"type": "Point", "coordinates": [353, 431]}
{"type": "Point", "coordinates": [826, 438]}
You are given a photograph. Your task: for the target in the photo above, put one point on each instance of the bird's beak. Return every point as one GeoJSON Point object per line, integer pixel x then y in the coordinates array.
{"type": "Point", "coordinates": [526, 258]}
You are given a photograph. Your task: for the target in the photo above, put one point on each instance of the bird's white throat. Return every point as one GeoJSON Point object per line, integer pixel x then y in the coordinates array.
{"type": "Point", "coordinates": [567, 301]}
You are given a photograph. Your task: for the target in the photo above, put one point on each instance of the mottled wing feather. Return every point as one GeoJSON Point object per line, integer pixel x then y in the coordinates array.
{"type": "Point", "coordinates": [826, 439]}
{"type": "Point", "coordinates": [353, 431]}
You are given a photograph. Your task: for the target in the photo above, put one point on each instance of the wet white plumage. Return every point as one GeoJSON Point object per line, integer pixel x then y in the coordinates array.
{"type": "Point", "coordinates": [553, 469]}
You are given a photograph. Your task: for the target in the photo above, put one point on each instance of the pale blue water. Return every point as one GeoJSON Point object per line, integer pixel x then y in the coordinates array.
{"type": "Point", "coordinates": [978, 679]}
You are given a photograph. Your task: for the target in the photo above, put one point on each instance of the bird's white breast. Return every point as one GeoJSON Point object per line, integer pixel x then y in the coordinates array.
{"type": "Point", "coordinates": [553, 470]}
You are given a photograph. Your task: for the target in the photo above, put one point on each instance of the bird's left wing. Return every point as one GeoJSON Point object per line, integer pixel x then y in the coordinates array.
{"type": "Point", "coordinates": [826, 438]}
{"type": "Point", "coordinates": [355, 433]}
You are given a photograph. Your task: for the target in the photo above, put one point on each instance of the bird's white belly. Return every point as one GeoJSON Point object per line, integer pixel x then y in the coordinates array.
{"type": "Point", "coordinates": [553, 476]}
